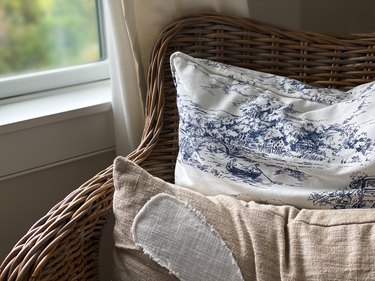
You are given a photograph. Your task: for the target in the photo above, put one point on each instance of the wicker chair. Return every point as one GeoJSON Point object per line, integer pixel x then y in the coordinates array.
{"type": "Point", "coordinates": [64, 244]}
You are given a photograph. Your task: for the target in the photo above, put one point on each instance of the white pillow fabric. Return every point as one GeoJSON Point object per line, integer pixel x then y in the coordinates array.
{"type": "Point", "coordinates": [272, 139]}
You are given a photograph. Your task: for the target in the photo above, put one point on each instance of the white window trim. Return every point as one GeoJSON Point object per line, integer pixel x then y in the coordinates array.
{"type": "Point", "coordinates": [55, 105]}
{"type": "Point", "coordinates": [19, 84]}
{"type": "Point", "coordinates": [55, 116]}
{"type": "Point", "coordinates": [46, 80]}
{"type": "Point", "coordinates": [41, 130]}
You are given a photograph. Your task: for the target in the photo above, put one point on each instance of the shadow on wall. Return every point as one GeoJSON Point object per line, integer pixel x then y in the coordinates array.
{"type": "Point", "coordinates": [337, 16]}
{"type": "Point", "coordinates": [331, 17]}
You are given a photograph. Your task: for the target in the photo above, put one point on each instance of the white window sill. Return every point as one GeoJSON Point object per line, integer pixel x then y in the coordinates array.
{"type": "Point", "coordinates": [53, 106]}
{"type": "Point", "coordinates": [50, 128]}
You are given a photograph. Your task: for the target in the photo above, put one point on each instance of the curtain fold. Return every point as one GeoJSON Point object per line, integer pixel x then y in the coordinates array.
{"type": "Point", "coordinates": [127, 102]}
{"type": "Point", "coordinates": [132, 28]}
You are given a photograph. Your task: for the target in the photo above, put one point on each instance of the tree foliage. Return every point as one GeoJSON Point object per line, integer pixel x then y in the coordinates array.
{"type": "Point", "coordinates": [43, 34]}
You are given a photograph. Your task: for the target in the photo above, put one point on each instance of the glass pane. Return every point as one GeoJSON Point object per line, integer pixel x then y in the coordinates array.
{"type": "Point", "coordinates": [45, 34]}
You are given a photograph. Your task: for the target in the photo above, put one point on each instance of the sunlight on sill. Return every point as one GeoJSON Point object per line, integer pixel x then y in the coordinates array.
{"type": "Point", "coordinates": [54, 106]}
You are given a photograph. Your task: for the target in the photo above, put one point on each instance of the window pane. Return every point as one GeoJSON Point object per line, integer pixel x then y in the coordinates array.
{"type": "Point", "coordinates": [46, 34]}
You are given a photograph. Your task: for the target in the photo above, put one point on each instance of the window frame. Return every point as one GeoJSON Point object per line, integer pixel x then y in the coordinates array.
{"type": "Point", "coordinates": [40, 81]}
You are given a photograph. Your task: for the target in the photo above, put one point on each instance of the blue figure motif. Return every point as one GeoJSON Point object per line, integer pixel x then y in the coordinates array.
{"type": "Point", "coordinates": [359, 194]}
{"type": "Point", "coordinates": [248, 171]}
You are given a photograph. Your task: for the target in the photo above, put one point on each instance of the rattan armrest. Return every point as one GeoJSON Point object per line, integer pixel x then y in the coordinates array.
{"type": "Point", "coordinates": [64, 244]}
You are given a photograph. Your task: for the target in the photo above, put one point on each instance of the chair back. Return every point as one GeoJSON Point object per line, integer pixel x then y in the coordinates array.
{"type": "Point", "coordinates": [320, 60]}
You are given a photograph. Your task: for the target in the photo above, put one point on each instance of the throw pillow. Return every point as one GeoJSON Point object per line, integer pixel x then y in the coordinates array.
{"type": "Point", "coordinates": [271, 139]}
{"type": "Point", "coordinates": [166, 232]}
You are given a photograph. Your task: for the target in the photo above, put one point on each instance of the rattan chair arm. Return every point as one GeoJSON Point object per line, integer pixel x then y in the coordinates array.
{"type": "Point", "coordinates": [64, 244]}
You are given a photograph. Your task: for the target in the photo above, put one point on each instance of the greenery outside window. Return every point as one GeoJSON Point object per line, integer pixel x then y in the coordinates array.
{"type": "Point", "coordinates": [48, 44]}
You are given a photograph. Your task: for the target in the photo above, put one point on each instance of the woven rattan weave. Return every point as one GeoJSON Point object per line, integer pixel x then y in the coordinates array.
{"type": "Point", "coordinates": [64, 244]}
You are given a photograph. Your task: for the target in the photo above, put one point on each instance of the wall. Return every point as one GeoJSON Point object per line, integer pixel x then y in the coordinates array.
{"type": "Point", "coordinates": [331, 17]}
{"type": "Point", "coordinates": [27, 198]}
{"type": "Point", "coordinates": [337, 16]}
{"type": "Point", "coordinates": [50, 144]}
{"type": "Point", "coordinates": [285, 13]}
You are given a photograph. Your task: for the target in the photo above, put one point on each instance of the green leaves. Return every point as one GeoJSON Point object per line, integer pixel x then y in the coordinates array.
{"type": "Point", "coordinates": [45, 34]}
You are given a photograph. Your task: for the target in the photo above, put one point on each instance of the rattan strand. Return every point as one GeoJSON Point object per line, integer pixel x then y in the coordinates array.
{"type": "Point", "coordinates": [64, 244]}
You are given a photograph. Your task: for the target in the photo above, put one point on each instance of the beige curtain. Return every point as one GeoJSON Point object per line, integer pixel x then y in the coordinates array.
{"type": "Point", "coordinates": [132, 29]}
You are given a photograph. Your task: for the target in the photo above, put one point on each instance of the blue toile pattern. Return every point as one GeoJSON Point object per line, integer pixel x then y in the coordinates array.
{"type": "Point", "coordinates": [275, 139]}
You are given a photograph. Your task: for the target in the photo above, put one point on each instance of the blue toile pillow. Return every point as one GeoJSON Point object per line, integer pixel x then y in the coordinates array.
{"type": "Point", "coordinates": [271, 139]}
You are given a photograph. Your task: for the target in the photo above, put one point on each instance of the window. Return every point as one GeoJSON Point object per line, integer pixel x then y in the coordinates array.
{"type": "Point", "coordinates": [47, 44]}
